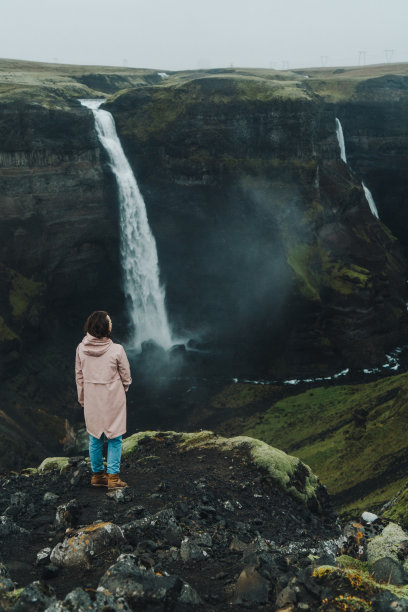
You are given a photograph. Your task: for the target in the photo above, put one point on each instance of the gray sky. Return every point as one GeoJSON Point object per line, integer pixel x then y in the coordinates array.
{"type": "Point", "coordinates": [188, 34]}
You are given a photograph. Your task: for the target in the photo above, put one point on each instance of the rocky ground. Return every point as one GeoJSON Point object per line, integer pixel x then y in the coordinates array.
{"type": "Point", "coordinates": [205, 524]}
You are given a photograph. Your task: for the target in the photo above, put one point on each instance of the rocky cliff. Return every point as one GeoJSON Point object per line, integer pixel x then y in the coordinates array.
{"type": "Point", "coordinates": [265, 238]}
{"type": "Point", "coordinates": [207, 524]}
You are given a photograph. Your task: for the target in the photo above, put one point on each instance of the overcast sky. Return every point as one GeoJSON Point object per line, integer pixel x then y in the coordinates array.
{"type": "Point", "coordinates": [188, 34]}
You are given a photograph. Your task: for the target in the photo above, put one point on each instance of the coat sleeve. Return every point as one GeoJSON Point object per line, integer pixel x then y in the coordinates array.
{"type": "Point", "coordinates": [124, 369]}
{"type": "Point", "coordinates": [79, 378]}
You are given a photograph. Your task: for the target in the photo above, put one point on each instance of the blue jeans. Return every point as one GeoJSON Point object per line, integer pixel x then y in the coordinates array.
{"type": "Point", "coordinates": [114, 453]}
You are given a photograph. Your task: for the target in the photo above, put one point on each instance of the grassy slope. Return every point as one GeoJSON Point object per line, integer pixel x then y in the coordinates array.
{"type": "Point", "coordinates": [352, 436]}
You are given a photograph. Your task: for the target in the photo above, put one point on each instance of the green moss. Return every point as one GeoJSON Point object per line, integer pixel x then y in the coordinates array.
{"type": "Point", "coordinates": [316, 270]}
{"type": "Point", "coordinates": [6, 334]}
{"type": "Point", "coordinates": [22, 292]}
{"type": "Point", "coordinates": [53, 463]}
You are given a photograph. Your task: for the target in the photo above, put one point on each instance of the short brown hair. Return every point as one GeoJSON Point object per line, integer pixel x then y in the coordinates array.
{"type": "Point", "coordinates": [97, 324]}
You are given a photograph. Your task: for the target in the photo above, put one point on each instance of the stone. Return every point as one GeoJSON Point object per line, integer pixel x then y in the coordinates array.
{"type": "Point", "coordinates": [35, 597]}
{"type": "Point", "coordinates": [6, 584]}
{"type": "Point", "coordinates": [386, 544]}
{"type": "Point", "coordinates": [250, 587]}
{"type": "Point", "coordinates": [140, 587]}
{"type": "Point", "coordinates": [118, 495]}
{"type": "Point", "coordinates": [369, 517]}
{"type": "Point", "coordinates": [389, 570]}
{"type": "Point", "coordinates": [43, 556]}
{"type": "Point", "coordinates": [60, 464]}
{"type": "Point", "coordinates": [191, 551]}
{"type": "Point", "coordinates": [9, 528]}
{"type": "Point", "coordinates": [67, 515]}
{"type": "Point", "coordinates": [80, 548]}
{"type": "Point", "coordinates": [79, 600]}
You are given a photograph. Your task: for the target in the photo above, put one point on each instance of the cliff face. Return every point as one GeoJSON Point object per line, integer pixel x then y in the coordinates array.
{"type": "Point", "coordinates": [376, 134]}
{"type": "Point", "coordinates": [58, 216]}
{"type": "Point", "coordinates": [265, 239]}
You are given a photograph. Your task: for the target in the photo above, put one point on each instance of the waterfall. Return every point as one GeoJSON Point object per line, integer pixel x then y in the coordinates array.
{"type": "Point", "coordinates": [140, 266]}
{"type": "Point", "coordinates": [342, 145]}
{"type": "Point", "coordinates": [340, 140]}
{"type": "Point", "coordinates": [370, 200]}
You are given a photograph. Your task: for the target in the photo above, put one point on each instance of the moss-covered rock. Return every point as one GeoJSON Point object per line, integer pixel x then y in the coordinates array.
{"type": "Point", "coordinates": [386, 544]}
{"type": "Point", "coordinates": [53, 463]}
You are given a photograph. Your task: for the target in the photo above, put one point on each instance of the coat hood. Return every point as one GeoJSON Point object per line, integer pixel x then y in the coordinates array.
{"type": "Point", "coordinates": [95, 346]}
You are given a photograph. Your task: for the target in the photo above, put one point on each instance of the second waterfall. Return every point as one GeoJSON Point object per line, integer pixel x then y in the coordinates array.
{"type": "Point", "coordinates": [140, 266]}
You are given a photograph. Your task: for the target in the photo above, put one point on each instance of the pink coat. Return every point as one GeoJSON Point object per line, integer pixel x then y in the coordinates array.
{"type": "Point", "coordinates": [102, 376]}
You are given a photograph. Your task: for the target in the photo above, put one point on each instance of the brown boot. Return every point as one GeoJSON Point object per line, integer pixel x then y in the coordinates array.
{"type": "Point", "coordinates": [99, 479]}
{"type": "Point", "coordinates": [114, 482]}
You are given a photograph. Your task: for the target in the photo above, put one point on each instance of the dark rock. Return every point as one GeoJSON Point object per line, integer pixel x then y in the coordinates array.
{"type": "Point", "coordinates": [388, 602]}
{"type": "Point", "coordinates": [9, 528]}
{"type": "Point", "coordinates": [35, 597]}
{"type": "Point", "coordinates": [68, 514]}
{"type": "Point", "coordinates": [6, 584]}
{"type": "Point", "coordinates": [191, 551]}
{"type": "Point", "coordinates": [143, 588]}
{"type": "Point", "coordinates": [79, 600]}
{"type": "Point", "coordinates": [390, 571]}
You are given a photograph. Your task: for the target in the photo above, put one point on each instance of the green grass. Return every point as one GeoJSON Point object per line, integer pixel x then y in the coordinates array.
{"type": "Point", "coordinates": [350, 435]}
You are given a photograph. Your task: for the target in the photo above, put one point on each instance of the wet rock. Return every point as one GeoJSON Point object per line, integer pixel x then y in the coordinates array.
{"type": "Point", "coordinates": [143, 588]}
{"type": "Point", "coordinates": [36, 597]}
{"type": "Point", "coordinates": [390, 571]}
{"type": "Point", "coordinates": [68, 514]}
{"type": "Point", "coordinates": [80, 548]}
{"type": "Point", "coordinates": [251, 587]}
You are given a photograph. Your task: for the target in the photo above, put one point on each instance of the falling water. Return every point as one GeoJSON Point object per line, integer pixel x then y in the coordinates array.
{"type": "Point", "coordinates": [370, 200]}
{"type": "Point", "coordinates": [340, 140]}
{"type": "Point", "coordinates": [138, 250]}
{"type": "Point", "coordinates": [342, 145]}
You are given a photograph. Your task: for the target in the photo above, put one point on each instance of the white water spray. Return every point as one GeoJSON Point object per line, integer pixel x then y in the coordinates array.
{"type": "Point", "coordinates": [370, 200]}
{"type": "Point", "coordinates": [342, 146]}
{"type": "Point", "coordinates": [340, 140]}
{"type": "Point", "coordinates": [138, 251]}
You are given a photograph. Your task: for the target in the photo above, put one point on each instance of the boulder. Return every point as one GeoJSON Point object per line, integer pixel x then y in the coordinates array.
{"type": "Point", "coordinates": [80, 548]}
{"type": "Point", "coordinates": [35, 597]}
{"type": "Point", "coordinates": [387, 545]}
{"type": "Point", "coordinates": [143, 588]}
{"type": "Point", "coordinates": [79, 600]}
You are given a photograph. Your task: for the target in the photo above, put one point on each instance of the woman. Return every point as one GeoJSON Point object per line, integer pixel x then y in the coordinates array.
{"type": "Point", "coordinates": [102, 378]}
